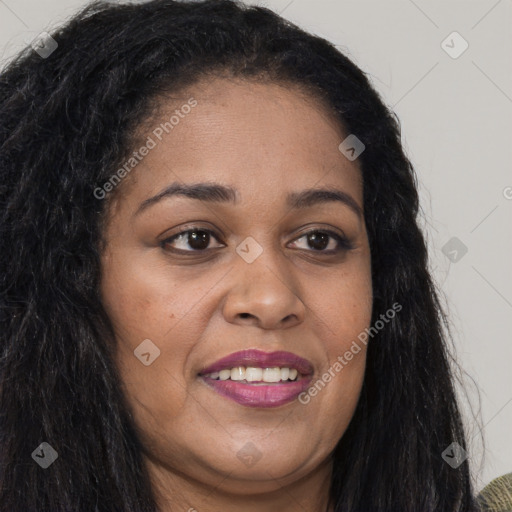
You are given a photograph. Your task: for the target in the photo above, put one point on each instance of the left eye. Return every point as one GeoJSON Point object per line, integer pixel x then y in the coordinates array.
{"type": "Point", "coordinates": [199, 239]}
{"type": "Point", "coordinates": [320, 241]}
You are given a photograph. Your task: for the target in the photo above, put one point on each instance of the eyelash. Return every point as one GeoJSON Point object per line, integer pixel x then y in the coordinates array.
{"type": "Point", "coordinates": [344, 243]}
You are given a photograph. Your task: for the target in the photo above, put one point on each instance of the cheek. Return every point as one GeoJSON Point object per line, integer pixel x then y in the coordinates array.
{"type": "Point", "coordinates": [350, 320]}
{"type": "Point", "coordinates": [140, 308]}
{"type": "Point", "coordinates": [143, 301]}
{"type": "Point", "coordinates": [345, 312]}
{"type": "Point", "coordinates": [345, 307]}
{"type": "Point", "coordinates": [150, 305]}
{"type": "Point", "coordinates": [132, 299]}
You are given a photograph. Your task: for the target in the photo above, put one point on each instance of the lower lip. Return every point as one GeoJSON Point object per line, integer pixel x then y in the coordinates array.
{"type": "Point", "coordinates": [268, 395]}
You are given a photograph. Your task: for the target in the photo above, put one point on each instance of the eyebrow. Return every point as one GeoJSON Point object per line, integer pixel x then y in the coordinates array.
{"type": "Point", "coordinates": [216, 193]}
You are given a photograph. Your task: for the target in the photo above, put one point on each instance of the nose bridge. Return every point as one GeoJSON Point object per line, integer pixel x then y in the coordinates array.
{"type": "Point", "coordinates": [262, 258]}
{"type": "Point", "coordinates": [264, 287]}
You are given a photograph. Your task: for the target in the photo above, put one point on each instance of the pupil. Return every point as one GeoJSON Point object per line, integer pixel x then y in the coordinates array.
{"type": "Point", "coordinates": [199, 241]}
{"type": "Point", "coordinates": [319, 240]}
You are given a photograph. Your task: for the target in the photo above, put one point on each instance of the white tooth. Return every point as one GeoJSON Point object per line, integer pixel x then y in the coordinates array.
{"type": "Point", "coordinates": [285, 373]}
{"type": "Point", "coordinates": [214, 375]}
{"type": "Point", "coordinates": [272, 374]}
{"type": "Point", "coordinates": [238, 373]}
{"type": "Point", "coordinates": [253, 374]}
{"type": "Point", "coordinates": [293, 374]}
{"type": "Point", "coordinates": [224, 374]}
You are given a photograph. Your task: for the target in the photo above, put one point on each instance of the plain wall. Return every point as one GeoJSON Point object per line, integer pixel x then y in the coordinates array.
{"type": "Point", "coordinates": [456, 120]}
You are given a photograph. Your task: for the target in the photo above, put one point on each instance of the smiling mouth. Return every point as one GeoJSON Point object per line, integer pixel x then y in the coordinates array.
{"type": "Point", "coordinates": [256, 376]}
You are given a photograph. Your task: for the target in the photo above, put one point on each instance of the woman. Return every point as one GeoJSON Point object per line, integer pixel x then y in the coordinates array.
{"type": "Point", "coordinates": [216, 295]}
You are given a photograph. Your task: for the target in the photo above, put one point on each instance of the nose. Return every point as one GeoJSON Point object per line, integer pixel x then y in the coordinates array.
{"type": "Point", "coordinates": [264, 294]}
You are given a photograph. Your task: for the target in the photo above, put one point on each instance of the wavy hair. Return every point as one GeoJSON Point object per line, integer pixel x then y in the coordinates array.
{"type": "Point", "coordinates": [66, 122]}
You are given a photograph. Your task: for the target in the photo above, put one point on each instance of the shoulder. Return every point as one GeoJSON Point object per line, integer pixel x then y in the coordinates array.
{"type": "Point", "coordinates": [497, 495]}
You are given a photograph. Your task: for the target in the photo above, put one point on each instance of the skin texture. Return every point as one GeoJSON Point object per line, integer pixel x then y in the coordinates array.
{"type": "Point", "coordinates": [265, 140]}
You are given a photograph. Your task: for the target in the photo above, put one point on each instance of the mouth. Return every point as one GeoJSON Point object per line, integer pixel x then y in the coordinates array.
{"type": "Point", "coordinates": [254, 378]}
{"type": "Point", "coordinates": [255, 375]}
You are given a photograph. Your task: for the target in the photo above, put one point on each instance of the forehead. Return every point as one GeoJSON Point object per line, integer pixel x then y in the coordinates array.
{"type": "Point", "coordinates": [264, 139]}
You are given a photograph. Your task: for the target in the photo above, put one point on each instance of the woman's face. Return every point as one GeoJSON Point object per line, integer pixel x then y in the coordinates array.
{"type": "Point", "coordinates": [244, 275]}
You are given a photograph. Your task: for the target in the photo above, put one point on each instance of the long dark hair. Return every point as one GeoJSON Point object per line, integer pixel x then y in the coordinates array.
{"type": "Point", "coordinates": [68, 119]}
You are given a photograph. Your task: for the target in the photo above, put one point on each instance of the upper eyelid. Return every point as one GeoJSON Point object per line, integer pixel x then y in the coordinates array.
{"type": "Point", "coordinates": [189, 230]}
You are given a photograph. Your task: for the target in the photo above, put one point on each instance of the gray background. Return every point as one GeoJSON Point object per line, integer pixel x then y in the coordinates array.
{"type": "Point", "coordinates": [456, 117]}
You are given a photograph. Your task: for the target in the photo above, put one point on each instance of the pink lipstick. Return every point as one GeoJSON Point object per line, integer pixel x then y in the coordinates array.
{"type": "Point", "coordinates": [259, 379]}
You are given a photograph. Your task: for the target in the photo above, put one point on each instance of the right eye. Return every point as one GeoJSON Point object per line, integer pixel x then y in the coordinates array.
{"type": "Point", "coordinates": [196, 238]}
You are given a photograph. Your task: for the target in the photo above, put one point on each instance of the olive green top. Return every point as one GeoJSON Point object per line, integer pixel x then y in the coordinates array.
{"type": "Point", "coordinates": [497, 495]}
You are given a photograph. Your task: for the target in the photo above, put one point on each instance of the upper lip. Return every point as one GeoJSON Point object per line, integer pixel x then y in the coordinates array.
{"type": "Point", "coordinates": [260, 359]}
